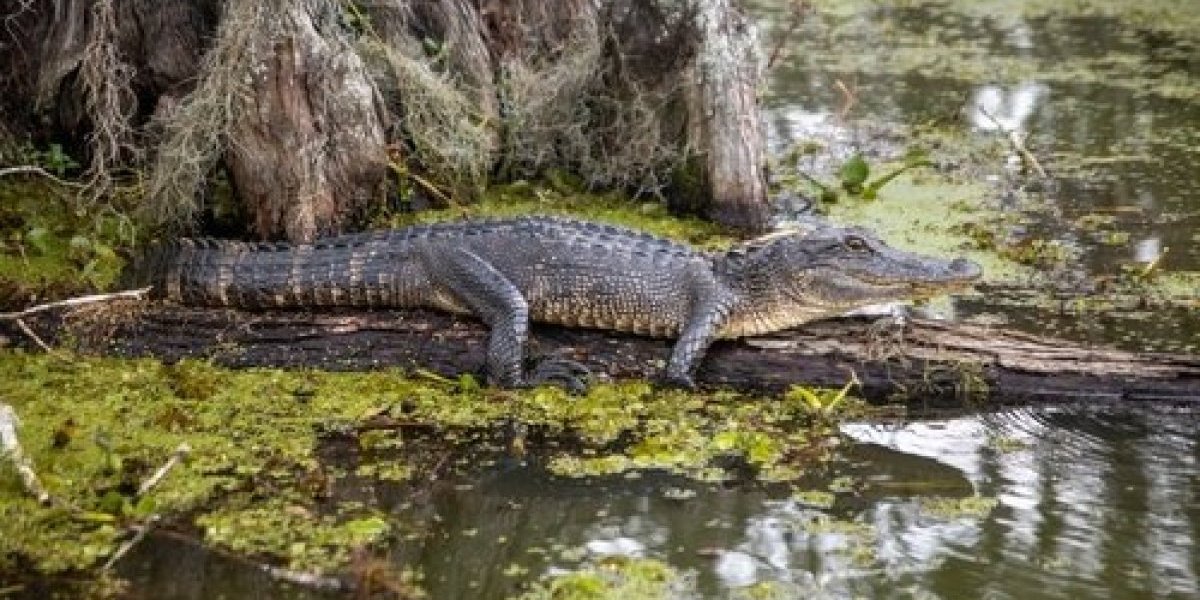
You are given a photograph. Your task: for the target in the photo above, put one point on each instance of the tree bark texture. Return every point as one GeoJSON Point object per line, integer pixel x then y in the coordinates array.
{"type": "Point", "coordinates": [295, 113]}
{"type": "Point", "coordinates": [309, 149]}
{"type": "Point", "coordinates": [44, 43]}
{"type": "Point", "coordinates": [930, 361]}
{"type": "Point", "coordinates": [725, 116]}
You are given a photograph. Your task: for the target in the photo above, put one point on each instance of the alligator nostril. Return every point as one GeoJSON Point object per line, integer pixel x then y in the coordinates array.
{"type": "Point", "coordinates": [965, 268]}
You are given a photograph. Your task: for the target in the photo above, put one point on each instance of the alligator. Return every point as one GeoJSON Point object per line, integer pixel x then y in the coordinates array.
{"type": "Point", "coordinates": [510, 272]}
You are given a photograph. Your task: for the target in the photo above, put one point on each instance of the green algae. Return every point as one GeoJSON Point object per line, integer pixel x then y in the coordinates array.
{"type": "Point", "coordinates": [254, 481]}
{"type": "Point", "coordinates": [971, 507]}
{"type": "Point", "coordinates": [125, 418]}
{"type": "Point", "coordinates": [291, 532]}
{"type": "Point", "coordinates": [524, 198]}
{"type": "Point", "coordinates": [914, 28]}
{"type": "Point", "coordinates": [689, 434]}
{"type": "Point", "coordinates": [614, 578]}
{"type": "Point", "coordinates": [815, 498]}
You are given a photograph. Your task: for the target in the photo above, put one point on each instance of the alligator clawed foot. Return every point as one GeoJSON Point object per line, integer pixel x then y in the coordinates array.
{"type": "Point", "coordinates": [676, 381]}
{"type": "Point", "coordinates": [565, 373]}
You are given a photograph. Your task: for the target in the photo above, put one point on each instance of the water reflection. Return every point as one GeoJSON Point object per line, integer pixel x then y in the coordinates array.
{"type": "Point", "coordinates": [1147, 250]}
{"type": "Point", "coordinates": [1119, 154]}
{"type": "Point", "coordinates": [1007, 110]}
{"type": "Point", "coordinates": [1090, 503]}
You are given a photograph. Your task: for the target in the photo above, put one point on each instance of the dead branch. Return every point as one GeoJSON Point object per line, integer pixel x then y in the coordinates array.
{"type": "Point", "coordinates": [33, 170]}
{"type": "Point", "coordinates": [177, 457]}
{"type": "Point", "coordinates": [78, 301]}
{"type": "Point", "coordinates": [10, 447]}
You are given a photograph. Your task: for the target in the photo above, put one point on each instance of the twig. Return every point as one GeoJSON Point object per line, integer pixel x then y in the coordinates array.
{"type": "Point", "coordinates": [1018, 144]}
{"type": "Point", "coordinates": [144, 528]}
{"type": "Point", "coordinates": [798, 10]}
{"type": "Point", "coordinates": [74, 302]}
{"type": "Point", "coordinates": [431, 188]}
{"type": "Point", "coordinates": [141, 530]}
{"type": "Point", "coordinates": [177, 457]}
{"type": "Point", "coordinates": [33, 336]}
{"type": "Point", "coordinates": [32, 170]}
{"type": "Point", "coordinates": [849, 98]}
{"type": "Point", "coordinates": [10, 447]}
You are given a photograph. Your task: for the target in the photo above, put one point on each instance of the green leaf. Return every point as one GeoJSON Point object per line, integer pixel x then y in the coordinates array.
{"type": "Point", "coordinates": [113, 503]}
{"type": "Point", "coordinates": [468, 384]}
{"type": "Point", "coordinates": [725, 440]}
{"type": "Point", "coordinates": [95, 517]}
{"type": "Point", "coordinates": [854, 173]}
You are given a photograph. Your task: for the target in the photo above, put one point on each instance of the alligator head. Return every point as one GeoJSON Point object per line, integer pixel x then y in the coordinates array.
{"type": "Point", "coordinates": [794, 276]}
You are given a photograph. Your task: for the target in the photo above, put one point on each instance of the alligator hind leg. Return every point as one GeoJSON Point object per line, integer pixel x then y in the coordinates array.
{"type": "Point", "coordinates": [498, 303]}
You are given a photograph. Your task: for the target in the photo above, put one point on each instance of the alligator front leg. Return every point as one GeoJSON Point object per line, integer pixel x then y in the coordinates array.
{"type": "Point", "coordinates": [489, 295]}
{"type": "Point", "coordinates": [698, 334]}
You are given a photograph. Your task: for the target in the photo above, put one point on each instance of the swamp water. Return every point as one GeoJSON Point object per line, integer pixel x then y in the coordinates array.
{"type": "Point", "coordinates": [1068, 502]}
{"type": "Point", "coordinates": [1099, 501]}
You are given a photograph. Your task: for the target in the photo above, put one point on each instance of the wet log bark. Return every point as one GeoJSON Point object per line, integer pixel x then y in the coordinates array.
{"type": "Point", "coordinates": [928, 361]}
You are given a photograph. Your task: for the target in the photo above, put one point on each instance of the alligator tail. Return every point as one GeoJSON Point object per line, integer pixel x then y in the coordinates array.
{"type": "Point", "coordinates": [148, 267]}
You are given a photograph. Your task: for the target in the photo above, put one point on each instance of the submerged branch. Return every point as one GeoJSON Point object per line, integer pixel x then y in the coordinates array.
{"type": "Point", "coordinates": [140, 532]}
{"type": "Point", "coordinates": [314, 581]}
{"type": "Point", "coordinates": [1018, 144]}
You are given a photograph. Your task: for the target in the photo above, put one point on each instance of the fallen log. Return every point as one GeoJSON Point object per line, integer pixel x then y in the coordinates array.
{"type": "Point", "coordinates": [920, 360]}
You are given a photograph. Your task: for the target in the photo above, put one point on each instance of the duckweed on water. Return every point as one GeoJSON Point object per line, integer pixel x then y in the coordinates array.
{"type": "Point", "coordinates": [913, 27]}
{"type": "Point", "coordinates": [255, 482]}
{"type": "Point", "coordinates": [971, 507]}
{"type": "Point", "coordinates": [613, 578]}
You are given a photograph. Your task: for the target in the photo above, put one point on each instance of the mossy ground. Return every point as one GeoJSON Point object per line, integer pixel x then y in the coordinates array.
{"type": "Point", "coordinates": [554, 196]}
{"type": "Point", "coordinates": [49, 248]}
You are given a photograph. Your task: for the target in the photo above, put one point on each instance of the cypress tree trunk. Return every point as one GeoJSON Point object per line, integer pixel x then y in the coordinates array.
{"type": "Point", "coordinates": [726, 121]}
{"type": "Point", "coordinates": [307, 105]}
{"type": "Point", "coordinates": [308, 149]}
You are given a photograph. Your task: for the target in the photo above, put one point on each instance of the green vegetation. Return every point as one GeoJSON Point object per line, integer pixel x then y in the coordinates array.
{"type": "Point", "coordinates": [1125, 63]}
{"type": "Point", "coordinates": [971, 507]}
{"type": "Point", "coordinates": [559, 195]}
{"type": "Point", "coordinates": [615, 578]}
{"type": "Point", "coordinates": [254, 483]}
{"type": "Point", "coordinates": [51, 249]}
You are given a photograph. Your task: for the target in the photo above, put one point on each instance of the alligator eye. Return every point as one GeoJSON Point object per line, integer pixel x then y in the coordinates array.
{"type": "Point", "coordinates": [856, 244]}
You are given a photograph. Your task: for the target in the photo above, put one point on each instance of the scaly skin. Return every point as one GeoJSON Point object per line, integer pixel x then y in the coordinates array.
{"type": "Point", "coordinates": [566, 272]}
